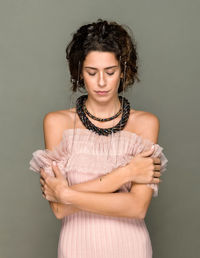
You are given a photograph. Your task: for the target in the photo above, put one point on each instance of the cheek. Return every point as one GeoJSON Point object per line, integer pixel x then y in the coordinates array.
{"type": "Point", "coordinates": [114, 81]}
{"type": "Point", "coordinates": [89, 83]}
{"type": "Point", "coordinates": [88, 79]}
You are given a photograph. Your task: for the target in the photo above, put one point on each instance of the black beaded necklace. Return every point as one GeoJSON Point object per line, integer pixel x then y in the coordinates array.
{"type": "Point", "coordinates": [100, 119]}
{"type": "Point", "coordinates": [103, 131]}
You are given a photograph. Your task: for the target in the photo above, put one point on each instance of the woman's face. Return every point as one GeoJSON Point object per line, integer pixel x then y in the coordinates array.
{"type": "Point", "coordinates": [101, 74]}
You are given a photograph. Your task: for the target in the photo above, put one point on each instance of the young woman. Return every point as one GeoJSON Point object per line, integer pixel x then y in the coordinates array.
{"type": "Point", "coordinates": [101, 164]}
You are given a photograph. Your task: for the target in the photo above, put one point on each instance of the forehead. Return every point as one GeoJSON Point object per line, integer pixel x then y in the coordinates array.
{"type": "Point", "coordinates": [100, 59]}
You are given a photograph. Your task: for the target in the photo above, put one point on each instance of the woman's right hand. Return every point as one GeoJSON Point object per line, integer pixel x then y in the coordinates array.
{"type": "Point", "coordinates": [144, 169]}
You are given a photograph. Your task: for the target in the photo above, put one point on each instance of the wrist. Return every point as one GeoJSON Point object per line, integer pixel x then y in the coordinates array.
{"type": "Point", "coordinates": [126, 174]}
{"type": "Point", "coordinates": [68, 195]}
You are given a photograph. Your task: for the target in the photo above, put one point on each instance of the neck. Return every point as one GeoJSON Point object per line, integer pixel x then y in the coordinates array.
{"type": "Point", "coordinates": [103, 109]}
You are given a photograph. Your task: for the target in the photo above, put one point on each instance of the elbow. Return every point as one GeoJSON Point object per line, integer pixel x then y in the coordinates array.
{"type": "Point", "coordinates": [142, 215]}
{"type": "Point", "coordinates": [142, 211]}
{"type": "Point", "coordinates": [58, 216]}
{"type": "Point", "coordinates": [139, 214]}
{"type": "Point", "coordinates": [55, 211]}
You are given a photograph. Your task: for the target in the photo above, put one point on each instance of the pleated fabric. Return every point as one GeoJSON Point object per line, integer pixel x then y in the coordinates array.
{"type": "Point", "coordinates": [83, 155]}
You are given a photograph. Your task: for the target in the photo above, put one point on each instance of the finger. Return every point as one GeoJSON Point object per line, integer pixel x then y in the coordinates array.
{"type": "Point", "coordinates": [56, 170]}
{"type": "Point", "coordinates": [156, 180]}
{"type": "Point", "coordinates": [43, 174]}
{"type": "Point", "coordinates": [45, 189]}
{"type": "Point", "coordinates": [157, 167]}
{"type": "Point", "coordinates": [41, 181]}
{"type": "Point", "coordinates": [49, 198]}
{"type": "Point", "coordinates": [156, 160]}
{"type": "Point", "coordinates": [157, 174]}
{"type": "Point", "coordinates": [46, 192]}
{"type": "Point", "coordinates": [43, 195]}
{"type": "Point", "coordinates": [147, 153]}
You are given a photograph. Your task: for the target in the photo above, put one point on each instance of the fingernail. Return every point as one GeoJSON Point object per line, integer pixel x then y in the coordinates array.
{"type": "Point", "coordinates": [152, 147]}
{"type": "Point", "coordinates": [54, 163]}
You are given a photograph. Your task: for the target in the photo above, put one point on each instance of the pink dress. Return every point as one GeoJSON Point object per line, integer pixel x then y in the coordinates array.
{"type": "Point", "coordinates": [85, 155]}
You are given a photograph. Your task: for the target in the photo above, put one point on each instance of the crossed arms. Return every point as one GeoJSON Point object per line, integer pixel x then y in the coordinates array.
{"type": "Point", "coordinates": [96, 195]}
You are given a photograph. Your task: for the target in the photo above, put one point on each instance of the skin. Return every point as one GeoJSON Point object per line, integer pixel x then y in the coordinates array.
{"type": "Point", "coordinates": [101, 71]}
{"type": "Point", "coordinates": [100, 77]}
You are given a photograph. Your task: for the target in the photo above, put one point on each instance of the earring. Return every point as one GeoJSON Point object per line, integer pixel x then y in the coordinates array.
{"type": "Point", "coordinates": [124, 76]}
{"type": "Point", "coordinates": [123, 79]}
{"type": "Point", "coordinates": [77, 81]}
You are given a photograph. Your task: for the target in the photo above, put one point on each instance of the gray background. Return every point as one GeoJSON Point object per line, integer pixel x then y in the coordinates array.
{"type": "Point", "coordinates": [34, 80]}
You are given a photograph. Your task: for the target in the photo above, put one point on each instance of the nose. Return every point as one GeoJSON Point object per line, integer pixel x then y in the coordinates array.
{"type": "Point", "coordinates": [101, 79]}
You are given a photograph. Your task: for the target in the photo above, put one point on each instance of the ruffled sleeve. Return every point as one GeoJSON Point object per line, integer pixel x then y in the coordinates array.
{"type": "Point", "coordinates": [158, 152]}
{"type": "Point", "coordinates": [44, 158]}
{"type": "Point", "coordinates": [146, 144]}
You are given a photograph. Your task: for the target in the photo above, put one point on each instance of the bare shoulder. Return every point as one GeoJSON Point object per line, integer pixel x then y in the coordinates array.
{"type": "Point", "coordinates": [60, 118]}
{"type": "Point", "coordinates": [145, 124]}
{"type": "Point", "coordinates": [54, 124]}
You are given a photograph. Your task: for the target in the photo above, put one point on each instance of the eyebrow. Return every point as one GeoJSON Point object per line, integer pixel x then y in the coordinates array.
{"type": "Point", "coordinates": [104, 68]}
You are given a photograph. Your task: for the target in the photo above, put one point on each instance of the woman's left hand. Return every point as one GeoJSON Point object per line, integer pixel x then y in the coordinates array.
{"type": "Point", "coordinates": [53, 188]}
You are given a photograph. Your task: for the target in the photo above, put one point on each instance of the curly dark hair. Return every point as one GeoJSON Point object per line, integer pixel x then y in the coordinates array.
{"type": "Point", "coordinates": [102, 36]}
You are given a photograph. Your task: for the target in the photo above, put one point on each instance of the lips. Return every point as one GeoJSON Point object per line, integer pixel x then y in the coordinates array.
{"type": "Point", "coordinates": [101, 91]}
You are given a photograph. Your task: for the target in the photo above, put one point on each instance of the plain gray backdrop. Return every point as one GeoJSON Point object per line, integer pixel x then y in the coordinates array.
{"type": "Point", "coordinates": [34, 80]}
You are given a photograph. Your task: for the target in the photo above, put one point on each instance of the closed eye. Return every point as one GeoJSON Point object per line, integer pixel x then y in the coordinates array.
{"type": "Point", "coordinates": [93, 74]}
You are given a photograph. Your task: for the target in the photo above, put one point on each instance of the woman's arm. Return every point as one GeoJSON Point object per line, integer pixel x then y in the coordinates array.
{"type": "Point", "coordinates": [108, 183]}
{"type": "Point", "coordinates": [111, 204]}
{"type": "Point", "coordinates": [60, 210]}
{"type": "Point", "coordinates": [103, 184]}
{"type": "Point", "coordinates": [52, 137]}
{"type": "Point", "coordinates": [133, 204]}
{"type": "Point", "coordinates": [123, 204]}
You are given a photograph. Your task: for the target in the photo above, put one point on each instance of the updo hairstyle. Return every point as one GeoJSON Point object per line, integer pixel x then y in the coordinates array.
{"type": "Point", "coordinates": [102, 36]}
